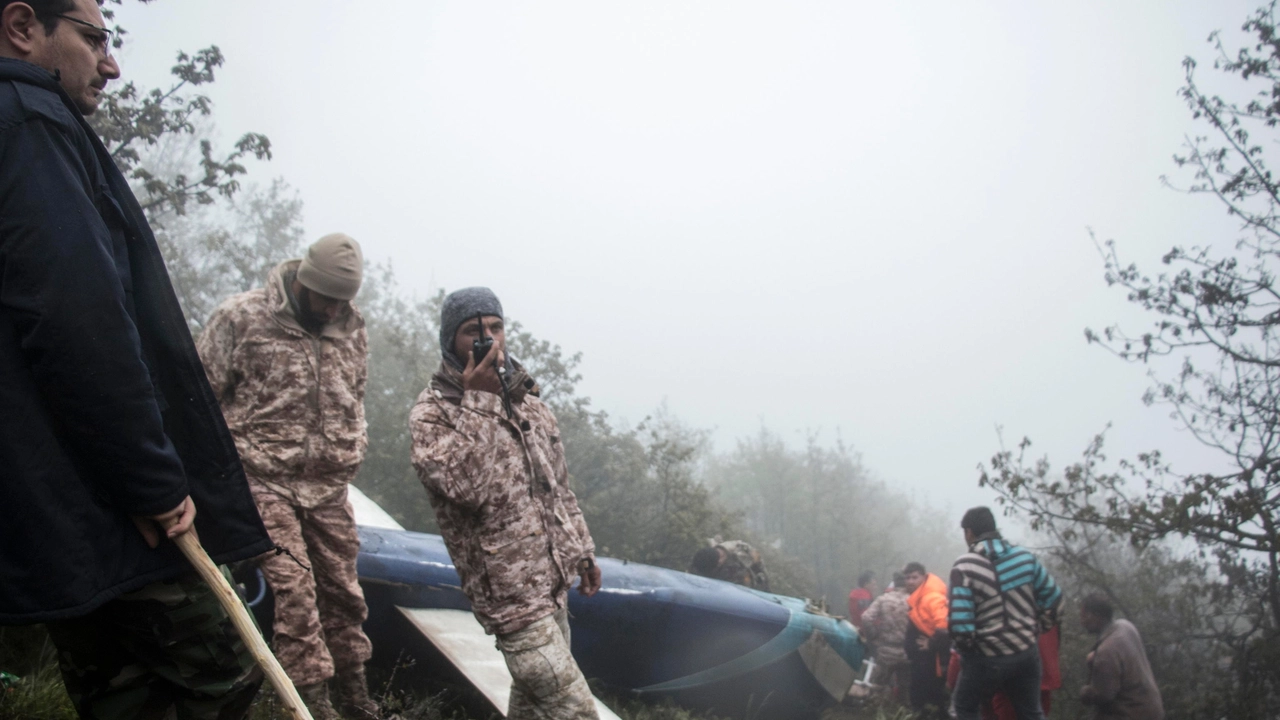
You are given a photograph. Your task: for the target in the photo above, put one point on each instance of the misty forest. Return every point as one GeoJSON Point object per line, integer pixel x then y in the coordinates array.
{"type": "Point", "coordinates": [1190, 555]}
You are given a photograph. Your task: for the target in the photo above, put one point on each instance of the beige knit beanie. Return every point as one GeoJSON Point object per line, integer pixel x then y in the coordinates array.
{"type": "Point", "coordinates": [333, 266]}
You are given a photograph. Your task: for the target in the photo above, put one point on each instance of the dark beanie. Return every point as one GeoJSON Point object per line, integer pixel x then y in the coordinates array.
{"type": "Point", "coordinates": [459, 307]}
{"type": "Point", "coordinates": [979, 520]}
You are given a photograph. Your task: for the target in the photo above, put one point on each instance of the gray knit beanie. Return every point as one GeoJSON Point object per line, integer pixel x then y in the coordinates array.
{"type": "Point", "coordinates": [459, 307]}
{"type": "Point", "coordinates": [333, 266]}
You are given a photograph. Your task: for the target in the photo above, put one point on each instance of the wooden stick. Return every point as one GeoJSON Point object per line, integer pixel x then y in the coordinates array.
{"type": "Point", "coordinates": [190, 546]}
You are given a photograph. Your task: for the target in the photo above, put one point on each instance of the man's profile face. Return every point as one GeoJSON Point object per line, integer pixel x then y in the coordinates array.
{"type": "Point", "coordinates": [315, 310]}
{"type": "Point", "coordinates": [913, 581]}
{"type": "Point", "coordinates": [469, 332]}
{"type": "Point", "coordinates": [79, 54]}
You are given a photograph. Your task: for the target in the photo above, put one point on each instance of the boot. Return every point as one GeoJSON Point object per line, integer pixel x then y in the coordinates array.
{"type": "Point", "coordinates": [351, 695]}
{"type": "Point", "coordinates": [316, 698]}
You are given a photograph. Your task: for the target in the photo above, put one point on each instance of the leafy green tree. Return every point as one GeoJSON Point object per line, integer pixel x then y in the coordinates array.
{"type": "Point", "coordinates": [1217, 310]}
{"type": "Point", "coordinates": [131, 120]}
{"type": "Point", "coordinates": [215, 241]}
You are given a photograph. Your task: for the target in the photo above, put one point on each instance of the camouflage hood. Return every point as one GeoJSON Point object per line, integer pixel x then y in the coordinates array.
{"type": "Point", "coordinates": [284, 306]}
{"type": "Point", "coordinates": [294, 401]}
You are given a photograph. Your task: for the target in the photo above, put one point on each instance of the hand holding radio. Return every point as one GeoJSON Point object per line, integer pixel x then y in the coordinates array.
{"type": "Point", "coordinates": [480, 373]}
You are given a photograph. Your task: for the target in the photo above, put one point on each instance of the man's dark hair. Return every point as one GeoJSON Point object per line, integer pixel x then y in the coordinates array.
{"type": "Point", "coordinates": [705, 561]}
{"type": "Point", "coordinates": [979, 520]}
{"type": "Point", "coordinates": [914, 567]}
{"type": "Point", "coordinates": [1098, 605]}
{"type": "Point", "coordinates": [899, 580]}
{"type": "Point", "coordinates": [865, 578]}
{"type": "Point", "coordinates": [47, 11]}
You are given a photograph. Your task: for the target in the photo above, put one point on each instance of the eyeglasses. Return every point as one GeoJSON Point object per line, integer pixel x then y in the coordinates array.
{"type": "Point", "coordinates": [101, 41]}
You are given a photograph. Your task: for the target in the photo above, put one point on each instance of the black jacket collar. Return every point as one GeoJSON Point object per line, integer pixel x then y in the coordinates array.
{"type": "Point", "coordinates": [23, 71]}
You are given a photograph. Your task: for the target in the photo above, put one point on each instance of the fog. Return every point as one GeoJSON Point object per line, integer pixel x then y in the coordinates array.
{"type": "Point", "coordinates": [848, 219]}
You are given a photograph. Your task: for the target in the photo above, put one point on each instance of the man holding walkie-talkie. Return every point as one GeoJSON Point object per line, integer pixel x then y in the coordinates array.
{"type": "Point", "coordinates": [489, 453]}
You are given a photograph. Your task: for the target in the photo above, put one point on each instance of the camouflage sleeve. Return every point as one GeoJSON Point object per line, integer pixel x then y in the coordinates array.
{"type": "Point", "coordinates": [215, 346]}
{"type": "Point", "coordinates": [451, 450]}
{"type": "Point", "coordinates": [575, 517]}
{"type": "Point", "coordinates": [362, 379]}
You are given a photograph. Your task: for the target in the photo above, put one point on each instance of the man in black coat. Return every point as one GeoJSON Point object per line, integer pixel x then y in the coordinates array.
{"type": "Point", "coordinates": [109, 432]}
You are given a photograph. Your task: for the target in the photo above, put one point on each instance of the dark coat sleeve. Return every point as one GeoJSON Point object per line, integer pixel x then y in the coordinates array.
{"type": "Point", "coordinates": [65, 284]}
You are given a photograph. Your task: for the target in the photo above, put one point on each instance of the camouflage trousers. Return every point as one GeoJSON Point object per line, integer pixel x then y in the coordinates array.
{"type": "Point", "coordinates": [167, 650]}
{"type": "Point", "coordinates": [318, 612]}
{"type": "Point", "coordinates": [546, 681]}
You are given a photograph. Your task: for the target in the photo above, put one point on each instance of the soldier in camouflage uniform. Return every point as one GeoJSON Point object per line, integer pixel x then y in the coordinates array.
{"type": "Point", "coordinates": [494, 470]}
{"type": "Point", "coordinates": [884, 626]}
{"type": "Point", "coordinates": [288, 364]}
{"type": "Point", "coordinates": [733, 561]}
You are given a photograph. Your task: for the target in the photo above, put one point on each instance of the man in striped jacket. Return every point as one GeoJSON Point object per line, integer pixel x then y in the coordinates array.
{"type": "Point", "coordinates": [1001, 599]}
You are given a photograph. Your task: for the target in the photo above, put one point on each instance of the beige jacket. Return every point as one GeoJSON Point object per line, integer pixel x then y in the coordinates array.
{"type": "Point", "coordinates": [500, 489]}
{"type": "Point", "coordinates": [294, 401]}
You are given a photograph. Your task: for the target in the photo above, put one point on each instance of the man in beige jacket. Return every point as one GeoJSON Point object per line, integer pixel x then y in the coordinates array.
{"type": "Point", "coordinates": [287, 362]}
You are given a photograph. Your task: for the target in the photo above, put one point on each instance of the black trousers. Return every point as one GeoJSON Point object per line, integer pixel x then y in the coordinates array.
{"type": "Point", "coordinates": [1017, 676]}
{"type": "Point", "coordinates": [928, 676]}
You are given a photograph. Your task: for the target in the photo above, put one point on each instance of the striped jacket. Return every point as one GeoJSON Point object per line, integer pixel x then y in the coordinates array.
{"type": "Point", "coordinates": [1001, 598]}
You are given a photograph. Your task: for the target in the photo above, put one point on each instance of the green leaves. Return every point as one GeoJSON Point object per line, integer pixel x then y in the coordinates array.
{"type": "Point", "coordinates": [130, 121]}
{"type": "Point", "coordinates": [1217, 308]}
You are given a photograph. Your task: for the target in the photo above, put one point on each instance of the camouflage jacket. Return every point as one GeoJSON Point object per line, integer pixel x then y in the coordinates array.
{"type": "Point", "coordinates": [742, 565]}
{"type": "Point", "coordinates": [294, 401]}
{"type": "Point", "coordinates": [501, 496]}
{"type": "Point", "coordinates": [884, 625]}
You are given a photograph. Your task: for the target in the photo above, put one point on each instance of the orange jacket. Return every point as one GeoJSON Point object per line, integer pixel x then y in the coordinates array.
{"type": "Point", "coordinates": [929, 605]}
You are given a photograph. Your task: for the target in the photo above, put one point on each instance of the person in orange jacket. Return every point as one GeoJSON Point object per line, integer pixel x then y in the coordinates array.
{"type": "Point", "coordinates": [928, 643]}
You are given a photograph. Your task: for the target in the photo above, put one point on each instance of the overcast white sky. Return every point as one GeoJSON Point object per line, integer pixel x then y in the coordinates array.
{"type": "Point", "coordinates": [863, 218]}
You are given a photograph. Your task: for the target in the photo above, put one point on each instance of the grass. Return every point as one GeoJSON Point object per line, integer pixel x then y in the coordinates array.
{"type": "Point", "coordinates": [41, 696]}
{"type": "Point", "coordinates": [39, 693]}
{"type": "Point", "coordinates": [439, 706]}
